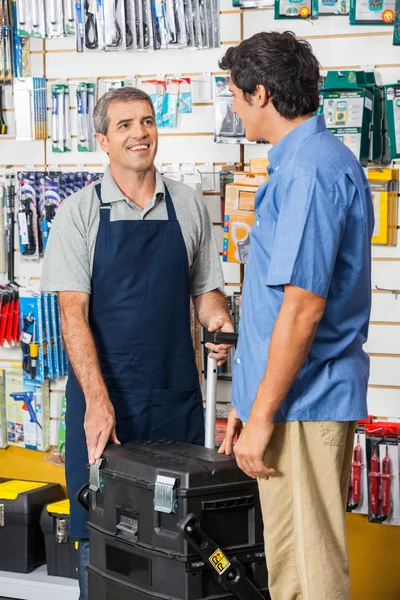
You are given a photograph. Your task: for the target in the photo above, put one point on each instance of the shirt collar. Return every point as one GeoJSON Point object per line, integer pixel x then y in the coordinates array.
{"type": "Point", "coordinates": [110, 191]}
{"type": "Point", "coordinates": [289, 144]}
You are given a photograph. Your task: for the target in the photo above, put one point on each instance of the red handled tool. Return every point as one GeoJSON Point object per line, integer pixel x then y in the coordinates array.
{"type": "Point", "coordinates": [356, 473]}
{"type": "Point", "coordinates": [374, 483]}
{"type": "Point", "coordinates": [386, 476]}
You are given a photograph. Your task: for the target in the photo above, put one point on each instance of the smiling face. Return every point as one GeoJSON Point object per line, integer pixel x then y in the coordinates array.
{"type": "Point", "coordinates": [132, 138]}
{"type": "Point", "coordinates": [251, 110]}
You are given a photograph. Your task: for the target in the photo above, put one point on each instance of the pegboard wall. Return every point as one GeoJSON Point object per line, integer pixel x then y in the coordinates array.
{"type": "Point", "coordinates": [336, 44]}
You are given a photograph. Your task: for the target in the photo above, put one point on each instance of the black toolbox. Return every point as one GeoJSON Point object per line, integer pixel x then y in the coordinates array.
{"type": "Point", "coordinates": [60, 548]}
{"type": "Point", "coordinates": [140, 493]}
{"type": "Point", "coordinates": [22, 546]}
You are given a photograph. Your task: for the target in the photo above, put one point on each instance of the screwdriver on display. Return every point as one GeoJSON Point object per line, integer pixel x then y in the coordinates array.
{"type": "Point", "coordinates": [356, 474]}
{"type": "Point", "coordinates": [386, 477]}
{"type": "Point", "coordinates": [374, 483]}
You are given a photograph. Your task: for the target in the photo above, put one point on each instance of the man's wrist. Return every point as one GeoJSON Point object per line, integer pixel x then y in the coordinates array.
{"type": "Point", "coordinates": [97, 398]}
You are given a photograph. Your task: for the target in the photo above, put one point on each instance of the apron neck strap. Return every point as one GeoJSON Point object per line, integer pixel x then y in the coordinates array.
{"type": "Point", "coordinates": [170, 205]}
{"type": "Point", "coordinates": [168, 200]}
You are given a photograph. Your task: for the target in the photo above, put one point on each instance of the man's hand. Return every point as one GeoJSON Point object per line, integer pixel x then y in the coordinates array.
{"type": "Point", "coordinates": [233, 430]}
{"type": "Point", "coordinates": [219, 351]}
{"type": "Point", "coordinates": [251, 448]}
{"type": "Point", "coordinates": [99, 427]}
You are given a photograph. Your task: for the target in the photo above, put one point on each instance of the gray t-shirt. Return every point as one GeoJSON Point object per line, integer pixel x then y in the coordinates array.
{"type": "Point", "coordinates": [69, 255]}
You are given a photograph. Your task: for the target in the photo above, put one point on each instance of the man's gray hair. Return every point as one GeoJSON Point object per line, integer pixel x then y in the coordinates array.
{"type": "Point", "coordinates": [123, 94]}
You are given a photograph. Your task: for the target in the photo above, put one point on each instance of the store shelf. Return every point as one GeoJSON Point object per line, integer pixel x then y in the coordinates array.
{"type": "Point", "coordinates": [37, 586]}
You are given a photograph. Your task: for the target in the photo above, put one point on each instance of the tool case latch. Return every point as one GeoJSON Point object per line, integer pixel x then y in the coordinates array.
{"type": "Point", "coordinates": [165, 497]}
{"type": "Point", "coordinates": [61, 531]}
{"type": "Point", "coordinates": [96, 482]}
{"type": "Point", "coordinates": [1, 515]}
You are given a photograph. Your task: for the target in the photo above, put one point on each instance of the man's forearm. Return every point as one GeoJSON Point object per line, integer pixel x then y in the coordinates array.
{"type": "Point", "coordinates": [82, 354]}
{"type": "Point", "coordinates": [292, 338]}
{"type": "Point", "coordinates": [210, 306]}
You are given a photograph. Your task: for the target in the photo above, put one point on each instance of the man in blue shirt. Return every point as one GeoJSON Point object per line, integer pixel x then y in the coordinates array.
{"type": "Point", "coordinates": [300, 373]}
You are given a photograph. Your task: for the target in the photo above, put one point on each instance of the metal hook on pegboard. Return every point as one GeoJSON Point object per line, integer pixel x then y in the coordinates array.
{"type": "Point", "coordinates": [396, 293]}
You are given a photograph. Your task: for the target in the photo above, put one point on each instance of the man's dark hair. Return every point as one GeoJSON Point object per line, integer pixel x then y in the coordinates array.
{"type": "Point", "coordinates": [284, 65]}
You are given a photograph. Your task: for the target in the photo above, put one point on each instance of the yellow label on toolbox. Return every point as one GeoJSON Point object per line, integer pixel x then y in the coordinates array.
{"type": "Point", "coordinates": [59, 508]}
{"type": "Point", "coordinates": [219, 561]}
{"type": "Point", "coordinates": [10, 490]}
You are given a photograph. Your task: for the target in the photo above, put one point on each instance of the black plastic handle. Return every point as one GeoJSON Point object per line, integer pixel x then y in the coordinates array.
{"type": "Point", "coordinates": [221, 337]}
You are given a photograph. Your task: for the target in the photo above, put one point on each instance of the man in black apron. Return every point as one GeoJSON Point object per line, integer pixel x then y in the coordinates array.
{"type": "Point", "coordinates": [125, 257]}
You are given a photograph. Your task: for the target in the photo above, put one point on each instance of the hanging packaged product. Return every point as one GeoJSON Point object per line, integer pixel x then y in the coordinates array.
{"type": "Point", "coordinates": [32, 335]}
{"type": "Point", "coordinates": [189, 23]}
{"type": "Point", "coordinates": [347, 105]}
{"type": "Point", "coordinates": [252, 3]}
{"type": "Point", "coordinates": [296, 9]}
{"type": "Point", "coordinates": [176, 24]}
{"type": "Point", "coordinates": [372, 12]}
{"type": "Point", "coordinates": [170, 102]}
{"type": "Point", "coordinates": [61, 129]}
{"type": "Point", "coordinates": [54, 18]}
{"type": "Point", "coordinates": [30, 106]}
{"type": "Point", "coordinates": [31, 18]}
{"type": "Point", "coordinates": [21, 49]}
{"type": "Point", "coordinates": [384, 186]}
{"type": "Point", "coordinates": [28, 412]}
{"type": "Point", "coordinates": [357, 498]}
{"type": "Point", "coordinates": [156, 90]}
{"type": "Point", "coordinates": [392, 106]}
{"type": "Point", "coordinates": [28, 216]}
{"type": "Point", "coordinates": [148, 29]}
{"type": "Point", "coordinates": [383, 465]}
{"type": "Point", "coordinates": [69, 16]}
{"type": "Point", "coordinates": [327, 8]}
{"type": "Point", "coordinates": [3, 414]}
{"type": "Point", "coordinates": [379, 147]}
{"type": "Point", "coordinates": [226, 176]}
{"type": "Point", "coordinates": [85, 100]}
{"type": "Point", "coordinates": [228, 127]}
{"type": "Point", "coordinates": [114, 25]}
{"type": "Point", "coordinates": [185, 103]}
{"type": "Point", "coordinates": [47, 336]}
{"type": "Point", "coordinates": [239, 215]}
{"type": "Point", "coordinates": [50, 200]}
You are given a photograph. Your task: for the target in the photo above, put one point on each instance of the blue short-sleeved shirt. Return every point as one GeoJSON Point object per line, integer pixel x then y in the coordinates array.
{"type": "Point", "coordinates": [313, 228]}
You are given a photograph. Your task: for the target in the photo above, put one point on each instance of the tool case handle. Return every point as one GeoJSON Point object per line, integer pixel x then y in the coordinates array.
{"type": "Point", "coordinates": [221, 337]}
{"type": "Point", "coordinates": [215, 337]}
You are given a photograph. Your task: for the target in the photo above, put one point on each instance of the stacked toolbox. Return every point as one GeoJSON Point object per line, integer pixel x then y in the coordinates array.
{"type": "Point", "coordinates": [139, 495]}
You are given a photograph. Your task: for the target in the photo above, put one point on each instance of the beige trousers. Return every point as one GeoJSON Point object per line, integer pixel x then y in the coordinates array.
{"type": "Point", "coordinates": [304, 510]}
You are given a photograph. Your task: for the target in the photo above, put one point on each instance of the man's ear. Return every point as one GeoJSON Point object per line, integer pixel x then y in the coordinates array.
{"type": "Point", "coordinates": [102, 139]}
{"type": "Point", "coordinates": [262, 96]}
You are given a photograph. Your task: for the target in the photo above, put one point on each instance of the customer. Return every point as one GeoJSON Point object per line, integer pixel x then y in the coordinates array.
{"type": "Point", "coordinates": [125, 257]}
{"type": "Point", "coordinates": [300, 374]}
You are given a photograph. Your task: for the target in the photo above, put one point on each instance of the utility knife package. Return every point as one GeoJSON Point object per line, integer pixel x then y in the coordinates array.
{"type": "Point", "coordinates": [139, 495]}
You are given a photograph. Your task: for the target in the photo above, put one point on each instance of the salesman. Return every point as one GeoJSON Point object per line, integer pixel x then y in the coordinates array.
{"type": "Point", "coordinates": [125, 257]}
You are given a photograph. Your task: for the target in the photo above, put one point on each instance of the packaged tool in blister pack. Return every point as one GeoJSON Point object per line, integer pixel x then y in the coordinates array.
{"type": "Point", "coordinates": [100, 25]}
{"type": "Point", "coordinates": [372, 12]}
{"type": "Point", "coordinates": [50, 200]}
{"type": "Point", "coordinates": [32, 341]}
{"type": "Point", "coordinates": [28, 216]}
{"type": "Point", "coordinates": [45, 18]}
{"type": "Point", "coordinates": [357, 498]}
{"type": "Point", "coordinates": [60, 112]}
{"type": "Point", "coordinates": [333, 7]}
{"type": "Point", "coordinates": [296, 9]}
{"type": "Point", "coordinates": [28, 412]}
{"type": "Point", "coordinates": [228, 127]}
{"type": "Point", "coordinates": [85, 101]}
{"type": "Point", "coordinates": [383, 465]}
{"type": "Point", "coordinates": [156, 90]}
{"type": "Point", "coordinates": [21, 48]}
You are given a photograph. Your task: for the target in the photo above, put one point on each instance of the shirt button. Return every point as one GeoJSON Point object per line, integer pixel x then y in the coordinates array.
{"type": "Point", "coordinates": [258, 223]}
{"type": "Point", "coordinates": [238, 361]}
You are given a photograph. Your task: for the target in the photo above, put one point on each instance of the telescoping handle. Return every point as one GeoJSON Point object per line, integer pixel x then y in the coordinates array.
{"type": "Point", "coordinates": [216, 337]}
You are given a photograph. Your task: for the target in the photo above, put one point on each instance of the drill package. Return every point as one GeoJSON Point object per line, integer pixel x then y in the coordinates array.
{"type": "Point", "coordinates": [27, 412]}
{"type": "Point", "coordinates": [383, 467]}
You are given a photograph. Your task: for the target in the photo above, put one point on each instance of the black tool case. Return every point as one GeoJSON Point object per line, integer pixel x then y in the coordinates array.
{"type": "Point", "coordinates": [60, 548]}
{"type": "Point", "coordinates": [144, 491]}
{"type": "Point", "coordinates": [22, 546]}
